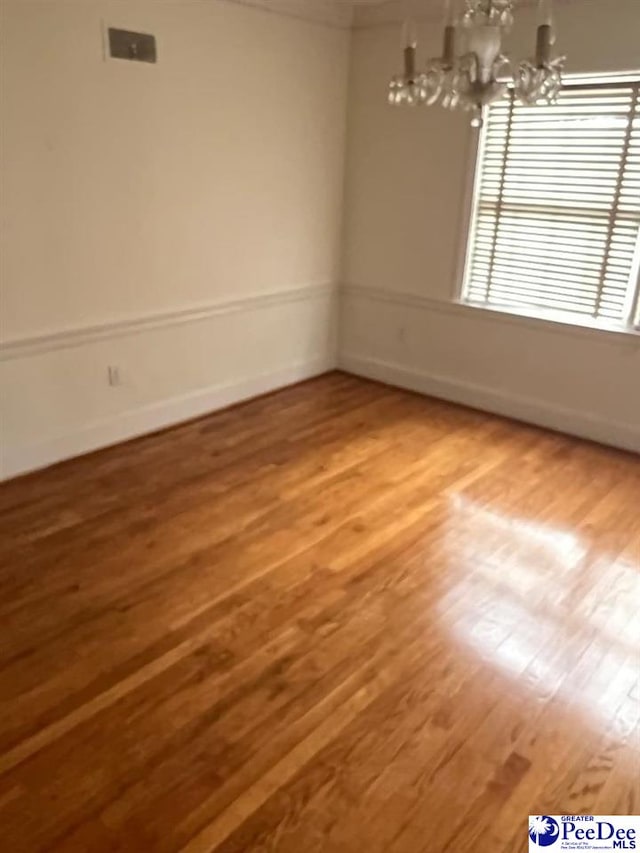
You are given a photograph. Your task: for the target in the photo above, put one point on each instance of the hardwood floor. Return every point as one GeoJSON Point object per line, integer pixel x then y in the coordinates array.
{"type": "Point", "coordinates": [338, 618]}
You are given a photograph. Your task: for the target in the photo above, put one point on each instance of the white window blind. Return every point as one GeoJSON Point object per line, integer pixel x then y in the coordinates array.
{"type": "Point", "coordinates": [556, 217]}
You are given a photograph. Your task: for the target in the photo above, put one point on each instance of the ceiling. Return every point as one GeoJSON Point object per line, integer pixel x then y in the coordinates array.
{"type": "Point", "coordinates": [347, 13]}
{"type": "Point", "coordinates": [341, 13]}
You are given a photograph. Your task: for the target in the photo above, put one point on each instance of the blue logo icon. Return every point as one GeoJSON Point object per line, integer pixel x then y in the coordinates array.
{"type": "Point", "coordinates": [543, 830]}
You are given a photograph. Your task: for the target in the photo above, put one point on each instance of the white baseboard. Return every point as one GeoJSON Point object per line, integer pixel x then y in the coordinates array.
{"type": "Point", "coordinates": [538, 412]}
{"type": "Point", "coordinates": [19, 460]}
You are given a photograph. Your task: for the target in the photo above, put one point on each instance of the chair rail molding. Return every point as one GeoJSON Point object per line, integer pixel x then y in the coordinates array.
{"type": "Point", "coordinates": [80, 335]}
{"type": "Point", "coordinates": [625, 337]}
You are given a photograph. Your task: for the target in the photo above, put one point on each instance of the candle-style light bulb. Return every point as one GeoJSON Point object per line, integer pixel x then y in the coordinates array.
{"type": "Point", "coordinates": [450, 13]}
{"type": "Point", "coordinates": [409, 33]}
{"type": "Point", "coordinates": [546, 35]}
{"type": "Point", "coordinates": [449, 38]}
{"type": "Point", "coordinates": [545, 13]}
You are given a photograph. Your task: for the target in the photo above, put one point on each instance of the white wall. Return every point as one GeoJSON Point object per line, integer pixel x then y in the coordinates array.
{"type": "Point", "coordinates": [181, 220]}
{"type": "Point", "coordinates": [407, 178]}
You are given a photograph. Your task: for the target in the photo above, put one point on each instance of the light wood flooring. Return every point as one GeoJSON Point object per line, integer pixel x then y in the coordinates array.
{"type": "Point", "coordinates": [341, 617]}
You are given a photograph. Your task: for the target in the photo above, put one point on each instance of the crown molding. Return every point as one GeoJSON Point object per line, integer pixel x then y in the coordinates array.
{"type": "Point", "coordinates": [386, 12]}
{"type": "Point", "coordinates": [330, 13]}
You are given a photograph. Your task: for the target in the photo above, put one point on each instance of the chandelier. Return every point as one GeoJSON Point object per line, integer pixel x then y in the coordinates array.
{"type": "Point", "coordinates": [473, 70]}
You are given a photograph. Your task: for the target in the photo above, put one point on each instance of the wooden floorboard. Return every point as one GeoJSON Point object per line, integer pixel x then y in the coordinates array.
{"type": "Point", "coordinates": [341, 617]}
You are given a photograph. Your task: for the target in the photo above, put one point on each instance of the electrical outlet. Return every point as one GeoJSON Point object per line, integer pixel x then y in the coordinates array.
{"type": "Point", "coordinates": [113, 375]}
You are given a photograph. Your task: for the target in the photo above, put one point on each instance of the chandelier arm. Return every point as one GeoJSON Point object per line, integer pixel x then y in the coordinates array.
{"type": "Point", "coordinates": [480, 76]}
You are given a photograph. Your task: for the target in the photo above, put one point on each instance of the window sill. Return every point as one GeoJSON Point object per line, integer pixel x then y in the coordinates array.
{"type": "Point", "coordinates": [552, 320]}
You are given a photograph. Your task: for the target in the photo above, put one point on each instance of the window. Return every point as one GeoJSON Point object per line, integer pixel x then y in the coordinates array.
{"type": "Point", "coordinates": [556, 215]}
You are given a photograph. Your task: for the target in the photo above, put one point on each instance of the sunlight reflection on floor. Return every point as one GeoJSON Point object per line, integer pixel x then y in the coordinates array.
{"type": "Point", "coordinates": [518, 616]}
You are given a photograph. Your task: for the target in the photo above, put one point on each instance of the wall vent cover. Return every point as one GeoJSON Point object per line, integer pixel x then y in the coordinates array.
{"type": "Point", "coordinates": [139, 47]}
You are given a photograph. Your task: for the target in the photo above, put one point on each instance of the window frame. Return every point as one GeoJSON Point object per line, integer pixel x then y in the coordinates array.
{"type": "Point", "coordinates": [631, 326]}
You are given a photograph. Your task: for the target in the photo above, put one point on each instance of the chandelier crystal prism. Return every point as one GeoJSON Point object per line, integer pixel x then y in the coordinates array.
{"type": "Point", "coordinates": [473, 70]}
